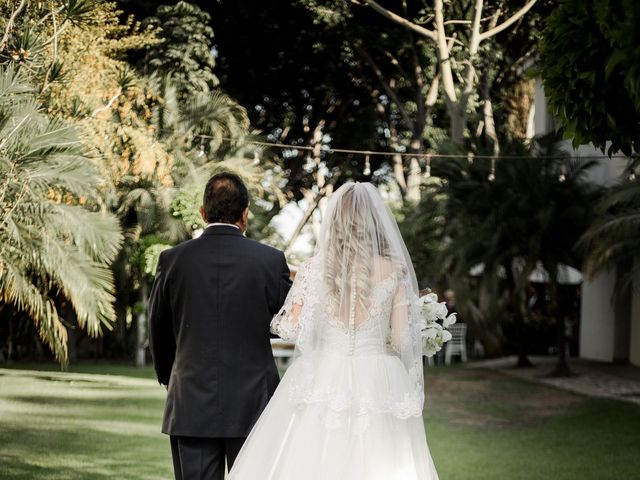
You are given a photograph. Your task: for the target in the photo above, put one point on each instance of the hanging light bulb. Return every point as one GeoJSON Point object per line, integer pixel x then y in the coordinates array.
{"type": "Point", "coordinates": [470, 156]}
{"type": "Point", "coordinates": [562, 177]}
{"type": "Point", "coordinates": [632, 176]}
{"type": "Point", "coordinates": [492, 174]}
{"type": "Point", "coordinates": [367, 166]}
{"type": "Point", "coordinates": [201, 151]}
{"type": "Point", "coordinates": [256, 157]}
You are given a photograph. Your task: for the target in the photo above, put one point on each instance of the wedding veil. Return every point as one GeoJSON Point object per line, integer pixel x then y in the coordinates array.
{"type": "Point", "coordinates": [357, 297]}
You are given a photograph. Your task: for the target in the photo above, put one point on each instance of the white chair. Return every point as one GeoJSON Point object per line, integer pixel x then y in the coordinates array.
{"type": "Point", "coordinates": [458, 343]}
{"type": "Point", "coordinates": [282, 351]}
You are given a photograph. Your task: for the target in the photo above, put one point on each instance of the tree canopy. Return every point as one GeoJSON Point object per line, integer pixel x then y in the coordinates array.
{"type": "Point", "coordinates": [589, 65]}
{"type": "Point", "coordinates": [185, 49]}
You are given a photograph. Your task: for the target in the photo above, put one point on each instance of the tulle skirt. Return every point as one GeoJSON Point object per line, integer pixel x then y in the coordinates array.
{"type": "Point", "coordinates": [342, 438]}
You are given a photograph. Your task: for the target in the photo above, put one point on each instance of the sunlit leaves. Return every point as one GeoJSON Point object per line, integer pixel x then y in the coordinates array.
{"type": "Point", "coordinates": [52, 242]}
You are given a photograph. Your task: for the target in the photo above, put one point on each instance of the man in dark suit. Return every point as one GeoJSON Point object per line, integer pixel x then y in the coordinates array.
{"type": "Point", "coordinates": [210, 309]}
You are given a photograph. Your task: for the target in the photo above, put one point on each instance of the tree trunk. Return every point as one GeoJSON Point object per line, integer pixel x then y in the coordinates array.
{"type": "Point", "coordinates": [458, 121]}
{"type": "Point", "coordinates": [121, 273]}
{"type": "Point", "coordinates": [313, 204]}
{"type": "Point", "coordinates": [398, 165]}
{"type": "Point", "coordinates": [489, 121]}
{"type": "Point", "coordinates": [72, 351]}
{"type": "Point", "coordinates": [522, 344]}
{"type": "Point", "coordinates": [562, 366]}
{"type": "Point", "coordinates": [456, 105]}
{"type": "Point", "coordinates": [10, 340]}
{"type": "Point", "coordinates": [141, 324]}
{"type": "Point", "coordinates": [413, 182]}
{"type": "Point", "coordinates": [69, 315]}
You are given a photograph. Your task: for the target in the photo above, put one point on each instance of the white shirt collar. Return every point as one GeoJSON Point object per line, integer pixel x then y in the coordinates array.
{"type": "Point", "coordinates": [217, 224]}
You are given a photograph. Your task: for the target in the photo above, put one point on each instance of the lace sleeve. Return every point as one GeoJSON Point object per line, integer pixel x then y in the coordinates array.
{"type": "Point", "coordinates": [400, 331]}
{"type": "Point", "coordinates": [286, 323]}
{"type": "Point", "coordinates": [405, 340]}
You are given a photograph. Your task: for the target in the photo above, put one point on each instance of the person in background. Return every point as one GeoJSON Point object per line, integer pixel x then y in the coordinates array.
{"type": "Point", "coordinates": [450, 302]}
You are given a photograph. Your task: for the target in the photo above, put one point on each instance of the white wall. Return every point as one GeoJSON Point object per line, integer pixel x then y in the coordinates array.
{"type": "Point", "coordinates": [597, 318]}
{"type": "Point", "coordinates": [542, 121]}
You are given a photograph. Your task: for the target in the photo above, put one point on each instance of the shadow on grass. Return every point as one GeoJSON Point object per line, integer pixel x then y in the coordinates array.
{"type": "Point", "coordinates": [96, 368]}
{"type": "Point", "coordinates": [17, 468]}
{"type": "Point", "coordinates": [38, 452]}
{"type": "Point", "coordinates": [113, 409]}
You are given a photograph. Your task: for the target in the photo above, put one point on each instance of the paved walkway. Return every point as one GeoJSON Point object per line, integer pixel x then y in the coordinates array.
{"type": "Point", "coordinates": [595, 379]}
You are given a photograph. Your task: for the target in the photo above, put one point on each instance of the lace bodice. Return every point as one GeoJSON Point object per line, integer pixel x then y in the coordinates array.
{"type": "Point", "coordinates": [384, 335]}
{"type": "Point", "coordinates": [371, 334]}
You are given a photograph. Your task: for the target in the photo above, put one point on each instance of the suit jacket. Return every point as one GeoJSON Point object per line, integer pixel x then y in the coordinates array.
{"type": "Point", "coordinates": [210, 308]}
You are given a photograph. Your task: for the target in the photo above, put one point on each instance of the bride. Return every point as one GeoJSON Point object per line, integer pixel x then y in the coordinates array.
{"type": "Point", "coordinates": [350, 405]}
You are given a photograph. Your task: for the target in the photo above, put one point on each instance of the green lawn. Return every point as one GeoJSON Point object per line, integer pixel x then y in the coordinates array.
{"type": "Point", "coordinates": [77, 425]}
{"type": "Point", "coordinates": [102, 421]}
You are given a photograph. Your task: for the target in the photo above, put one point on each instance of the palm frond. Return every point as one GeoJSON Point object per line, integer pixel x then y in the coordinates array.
{"type": "Point", "coordinates": [51, 242]}
{"type": "Point", "coordinates": [16, 289]}
{"type": "Point", "coordinates": [94, 233]}
{"type": "Point", "coordinates": [614, 240]}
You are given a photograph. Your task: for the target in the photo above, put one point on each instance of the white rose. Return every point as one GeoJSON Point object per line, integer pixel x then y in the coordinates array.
{"type": "Point", "coordinates": [432, 297]}
{"type": "Point", "coordinates": [441, 310]}
{"type": "Point", "coordinates": [429, 312]}
{"type": "Point", "coordinates": [450, 320]}
{"type": "Point", "coordinates": [430, 333]}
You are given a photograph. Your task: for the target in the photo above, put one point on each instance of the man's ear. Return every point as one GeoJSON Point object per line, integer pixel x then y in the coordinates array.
{"type": "Point", "coordinates": [202, 214]}
{"type": "Point", "coordinates": [245, 215]}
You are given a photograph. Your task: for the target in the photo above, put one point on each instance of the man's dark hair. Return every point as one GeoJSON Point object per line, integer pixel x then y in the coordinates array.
{"type": "Point", "coordinates": [225, 198]}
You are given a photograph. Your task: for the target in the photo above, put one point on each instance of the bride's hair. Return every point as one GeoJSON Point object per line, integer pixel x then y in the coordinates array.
{"type": "Point", "coordinates": [353, 244]}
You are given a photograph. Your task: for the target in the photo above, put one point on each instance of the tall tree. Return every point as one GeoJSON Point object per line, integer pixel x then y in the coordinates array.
{"type": "Point", "coordinates": [55, 243]}
{"type": "Point", "coordinates": [185, 50]}
{"type": "Point", "coordinates": [458, 48]}
{"type": "Point", "coordinates": [392, 77]}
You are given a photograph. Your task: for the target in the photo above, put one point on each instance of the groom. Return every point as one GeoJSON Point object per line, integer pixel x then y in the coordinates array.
{"type": "Point", "coordinates": [209, 312]}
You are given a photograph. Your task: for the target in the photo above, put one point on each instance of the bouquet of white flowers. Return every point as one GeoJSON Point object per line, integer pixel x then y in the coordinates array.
{"type": "Point", "coordinates": [435, 334]}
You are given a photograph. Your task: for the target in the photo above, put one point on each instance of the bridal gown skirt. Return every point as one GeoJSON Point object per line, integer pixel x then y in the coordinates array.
{"type": "Point", "coordinates": [320, 439]}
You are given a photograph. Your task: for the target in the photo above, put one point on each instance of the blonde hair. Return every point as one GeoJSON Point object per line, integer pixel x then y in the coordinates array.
{"type": "Point", "coordinates": [351, 247]}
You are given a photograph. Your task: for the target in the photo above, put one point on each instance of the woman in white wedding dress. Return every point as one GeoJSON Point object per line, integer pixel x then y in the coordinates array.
{"type": "Point", "coordinates": [350, 405]}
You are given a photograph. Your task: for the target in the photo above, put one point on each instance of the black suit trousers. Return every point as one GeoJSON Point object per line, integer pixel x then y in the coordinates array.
{"type": "Point", "coordinates": [197, 458]}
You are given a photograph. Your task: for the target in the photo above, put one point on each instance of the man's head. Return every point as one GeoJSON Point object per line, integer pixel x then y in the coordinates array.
{"type": "Point", "coordinates": [449, 296]}
{"type": "Point", "coordinates": [226, 200]}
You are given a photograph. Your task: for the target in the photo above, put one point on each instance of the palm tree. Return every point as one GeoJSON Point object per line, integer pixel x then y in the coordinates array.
{"type": "Point", "coordinates": [614, 239]}
{"type": "Point", "coordinates": [534, 211]}
{"type": "Point", "coordinates": [52, 242]}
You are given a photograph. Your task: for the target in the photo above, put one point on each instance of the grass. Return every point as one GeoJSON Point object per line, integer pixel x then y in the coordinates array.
{"type": "Point", "coordinates": [57, 425]}
{"type": "Point", "coordinates": [102, 421]}
{"type": "Point", "coordinates": [482, 425]}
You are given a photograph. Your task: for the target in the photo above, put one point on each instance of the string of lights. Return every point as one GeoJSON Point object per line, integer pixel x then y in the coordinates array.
{"type": "Point", "coordinates": [428, 156]}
